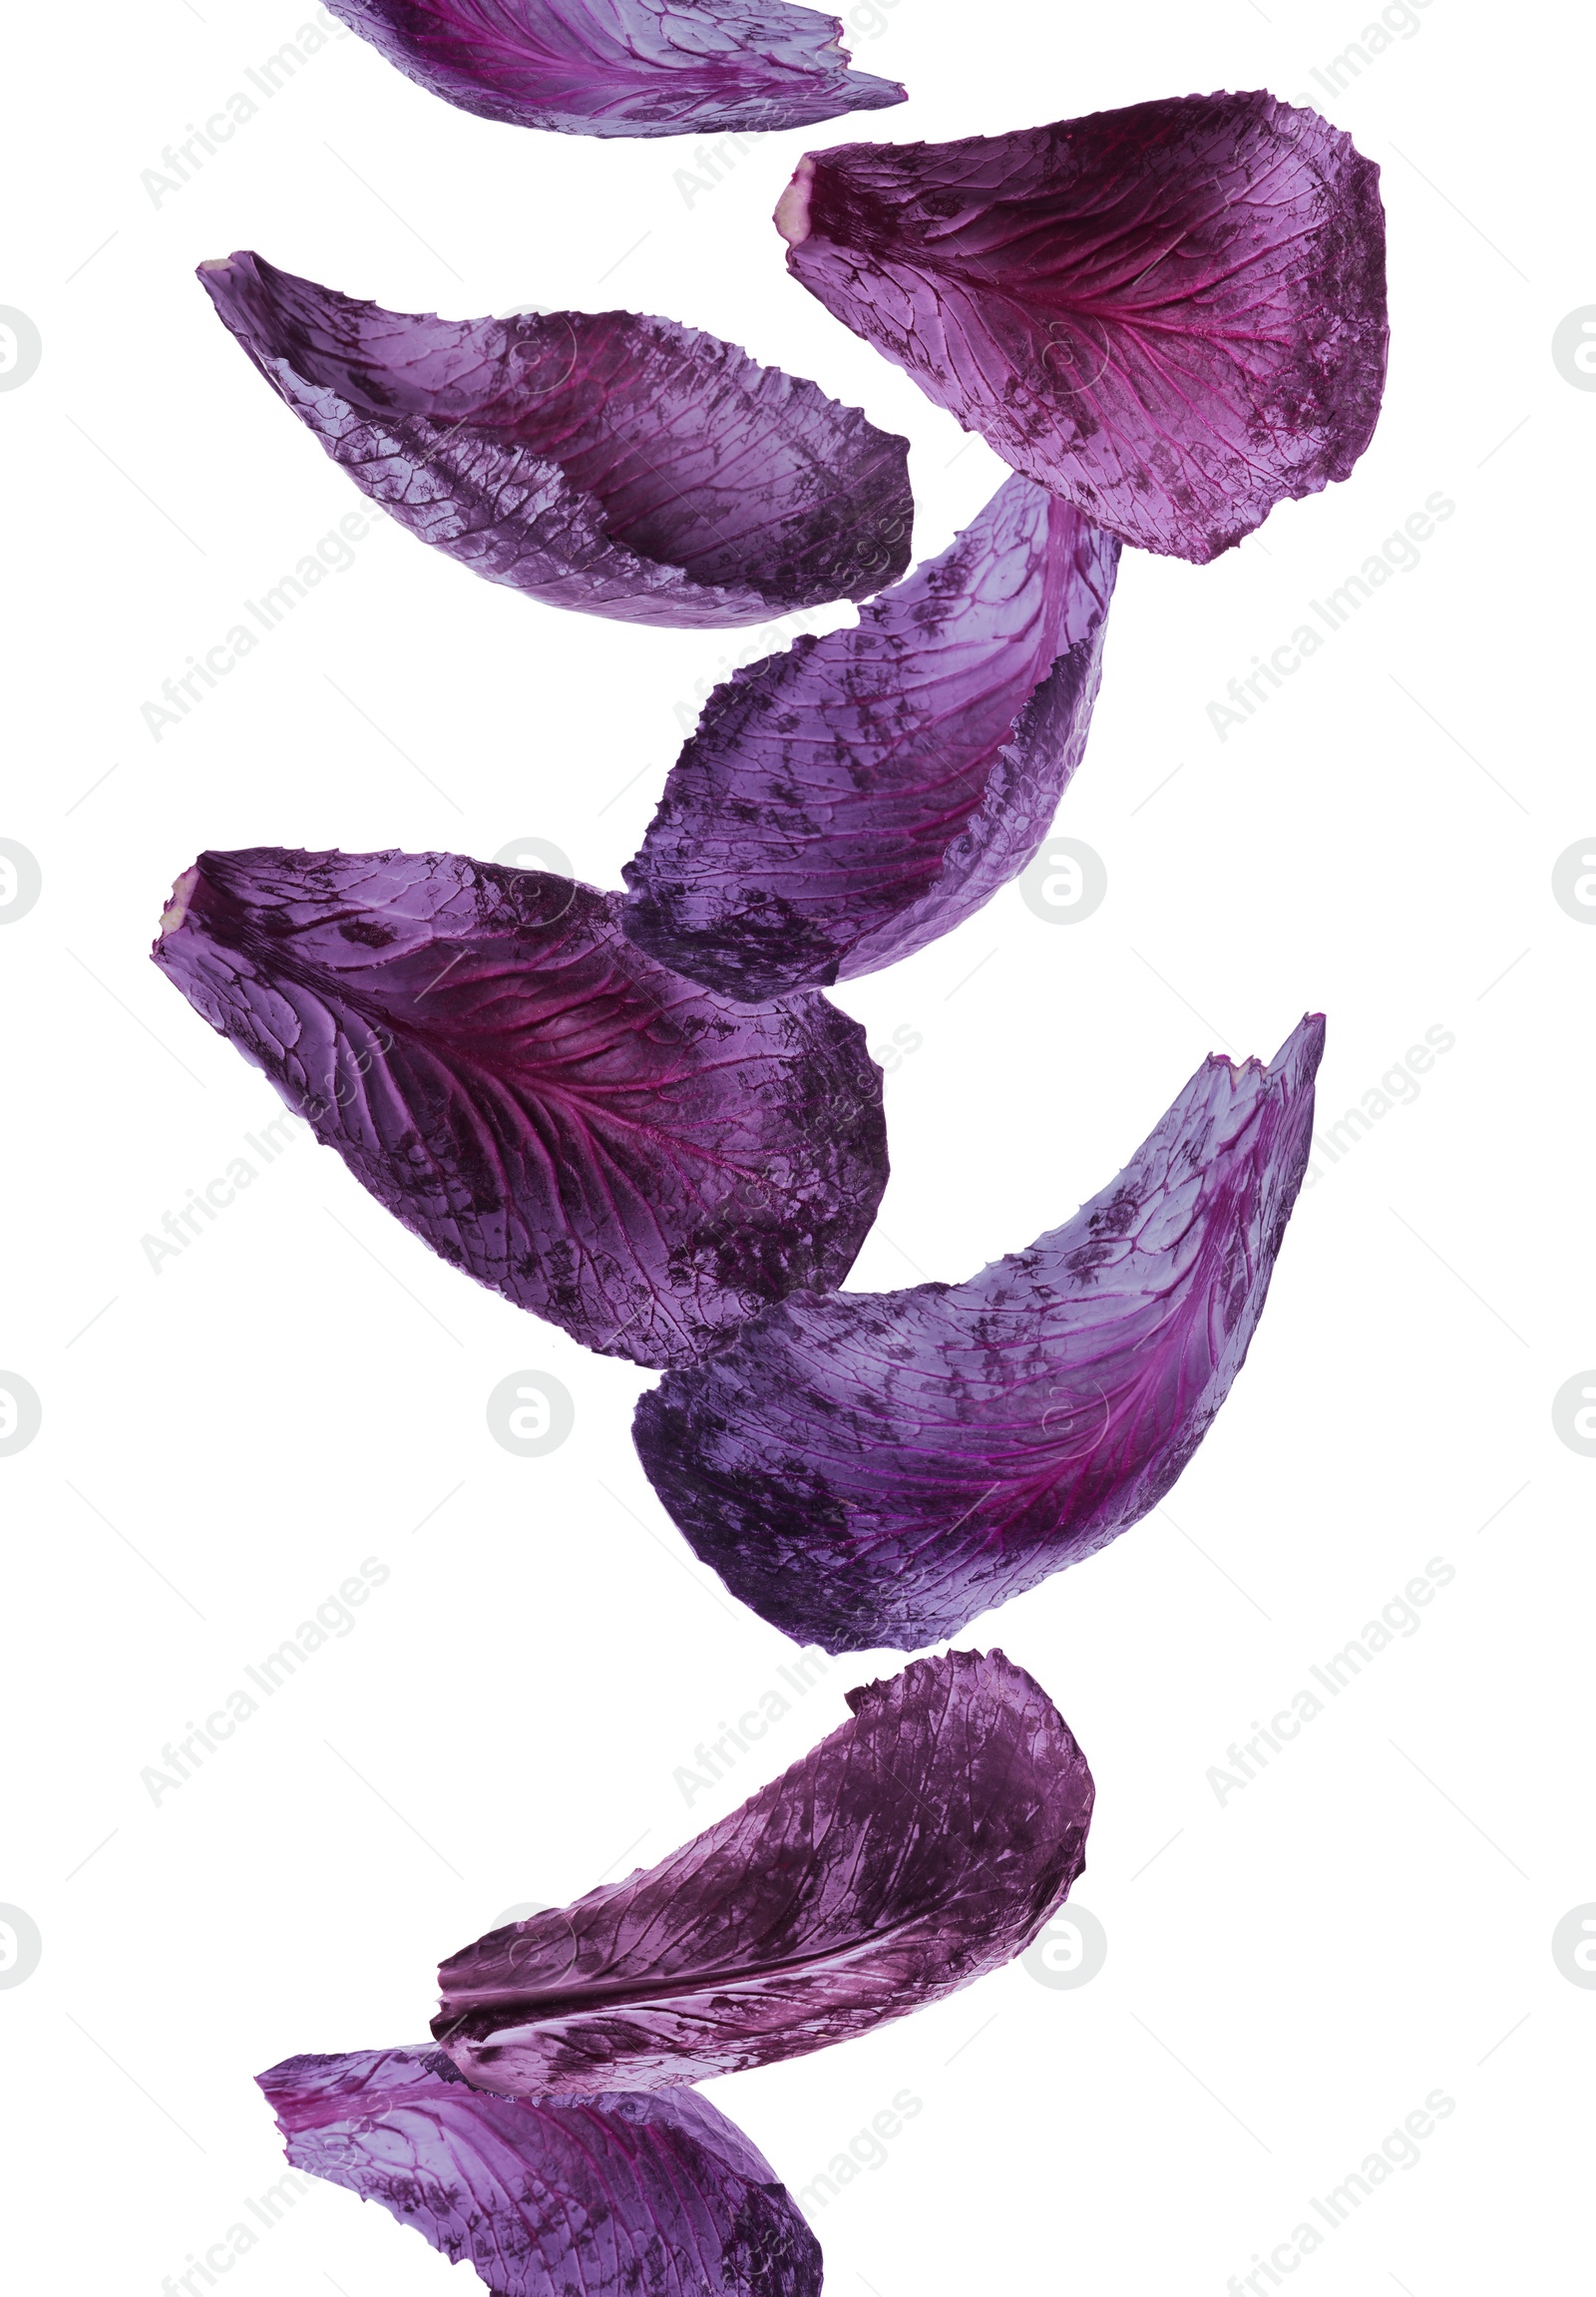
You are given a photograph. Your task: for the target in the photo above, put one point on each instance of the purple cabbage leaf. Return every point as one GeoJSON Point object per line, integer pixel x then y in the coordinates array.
{"type": "Point", "coordinates": [1173, 315]}
{"type": "Point", "coordinates": [623, 67]}
{"type": "Point", "coordinates": [622, 466]}
{"type": "Point", "coordinates": [596, 1138]}
{"type": "Point", "coordinates": [871, 1471]}
{"type": "Point", "coordinates": [620, 2196]}
{"type": "Point", "coordinates": [925, 1843]}
{"type": "Point", "coordinates": [845, 802]}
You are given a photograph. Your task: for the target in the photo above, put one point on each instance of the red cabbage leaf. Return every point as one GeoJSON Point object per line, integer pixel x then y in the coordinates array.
{"type": "Point", "coordinates": [552, 1112]}
{"type": "Point", "coordinates": [847, 802]}
{"type": "Point", "coordinates": [623, 67]}
{"type": "Point", "coordinates": [620, 2197]}
{"type": "Point", "coordinates": [873, 1470]}
{"type": "Point", "coordinates": [623, 466]}
{"type": "Point", "coordinates": [1173, 315]}
{"type": "Point", "coordinates": [923, 1844]}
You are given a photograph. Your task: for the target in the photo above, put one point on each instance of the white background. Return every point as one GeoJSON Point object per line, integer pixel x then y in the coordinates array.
{"type": "Point", "coordinates": [1290, 1973]}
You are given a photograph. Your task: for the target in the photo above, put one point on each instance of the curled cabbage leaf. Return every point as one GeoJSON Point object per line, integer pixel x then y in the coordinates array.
{"type": "Point", "coordinates": [622, 466]}
{"type": "Point", "coordinates": [623, 67]}
{"type": "Point", "coordinates": [845, 802]}
{"type": "Point", "coordinates": [1173, 315]}
{"type": "Point", "coordinates": [925, 1843]}
{"type": "Point", "coordinates": [871, 1471]}
{"type": "Point", "coordinates": [596, 1138]}
{"type": "Point", "coordinates": [621, 2196]}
